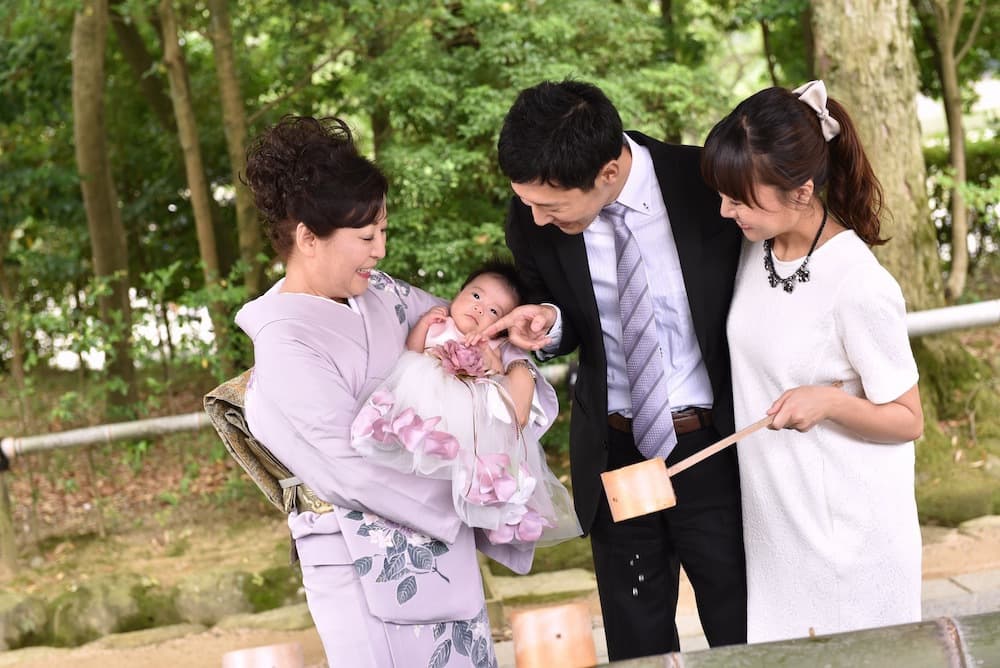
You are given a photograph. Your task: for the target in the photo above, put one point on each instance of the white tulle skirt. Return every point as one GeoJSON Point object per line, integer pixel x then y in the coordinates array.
{"type": "Point", "coordinates": [426, 421]}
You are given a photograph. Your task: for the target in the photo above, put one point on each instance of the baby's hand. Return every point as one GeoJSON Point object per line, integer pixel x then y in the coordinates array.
{"type": "Point", "coordinates": [434, 316]}
{"type": "Point", "coordinates": [474, 339]}
{"type": "Point", "coordinates": [491, 358]}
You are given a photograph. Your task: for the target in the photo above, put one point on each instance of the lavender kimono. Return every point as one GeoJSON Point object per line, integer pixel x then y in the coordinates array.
{"type": "Point", "coordinates": [391, 576]}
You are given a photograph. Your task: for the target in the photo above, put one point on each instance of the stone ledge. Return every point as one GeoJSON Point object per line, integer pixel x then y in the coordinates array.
{"type": "Point", "coordinates": [151, 636]}
{"type": "Point", "coordinates": [288, 618]}
{"type": "Point", "coordinates": [570, 582]}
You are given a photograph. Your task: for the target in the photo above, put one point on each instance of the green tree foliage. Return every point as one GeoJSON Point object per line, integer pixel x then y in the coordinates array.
{"type": "Point", "coordinates": [981, 58]}
{"type": "Point", "coordinates": [424, 83]}
{"type": "Point", "coordinates": [42, 228]}
{"type": "Point", "coordinates": [786, 37]}
{"type": "Point", "coordinates": [434, 98]}
{"type": "Point", "coordinates": [982, 195]}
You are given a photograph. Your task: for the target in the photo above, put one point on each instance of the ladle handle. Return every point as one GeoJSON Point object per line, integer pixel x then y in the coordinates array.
{"type": "Point", "coordinates": [688, 462]}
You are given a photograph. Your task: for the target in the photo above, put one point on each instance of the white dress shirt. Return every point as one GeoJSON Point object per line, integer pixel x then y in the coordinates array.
{"type": "Point", "coordinates": [687, 378]}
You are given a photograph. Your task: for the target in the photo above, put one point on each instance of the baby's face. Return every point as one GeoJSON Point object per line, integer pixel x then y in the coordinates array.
{"type": "Point", "coordinates": [482, 302]}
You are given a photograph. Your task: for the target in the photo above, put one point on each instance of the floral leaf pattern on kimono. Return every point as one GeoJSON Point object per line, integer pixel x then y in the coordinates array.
{"type": "Point", "coordinates": [381, 281]}
{"type": "Point", "coordinates": [406, 590]}
{"type": "Point", "coordinates": [399, 558]}
{"type": "Point", "coordinates": [461, 636]}
{"type": "Point", "coordinates": [480, 654]}
{"type": "Point", "coordinates": [362, 566]}
{"type": "Point", "coordinates": [407, 554]}
{"type": "Point", "coordinates": [441, 655]}
{"type": "Point", "coordinates": [469, 638]}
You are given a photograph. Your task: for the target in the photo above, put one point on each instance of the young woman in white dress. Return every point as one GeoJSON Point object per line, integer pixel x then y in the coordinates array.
{"type": "Point", "coordinates": [818, 340]}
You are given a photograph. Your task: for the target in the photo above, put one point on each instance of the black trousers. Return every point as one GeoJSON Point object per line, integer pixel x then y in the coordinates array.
{"type": "Point", "coordinates": [637, 561]}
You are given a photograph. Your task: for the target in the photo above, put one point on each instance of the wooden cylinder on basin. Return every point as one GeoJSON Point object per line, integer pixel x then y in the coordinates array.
{"type": "Point", "coordinates": [285, 655]}
{"type": "Point", "coordinates": [558, 635]}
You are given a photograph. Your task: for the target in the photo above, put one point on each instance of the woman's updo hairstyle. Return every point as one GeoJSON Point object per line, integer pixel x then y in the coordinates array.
{"type": "Point", "coordinates": [309, 170]}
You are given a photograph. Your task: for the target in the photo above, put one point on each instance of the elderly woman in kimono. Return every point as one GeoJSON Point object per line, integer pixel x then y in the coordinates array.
{"type": "Point", "coordinates": [391, 574]}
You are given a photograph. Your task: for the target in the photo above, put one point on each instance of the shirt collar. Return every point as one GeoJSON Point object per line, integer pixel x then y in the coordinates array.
{"type": "Point", "coordinates": [638, 193]}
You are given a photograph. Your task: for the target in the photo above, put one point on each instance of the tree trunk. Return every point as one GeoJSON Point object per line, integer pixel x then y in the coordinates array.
{"type": "Point", "coordinates": [765, 34]}
{"type": "Point", "coordinates": [864, 52]}
{"type": "Point", "coordinates": [805, 23]}
{"type": "Point", "coordinates": [234, 121]}
{"type": "Point", "coordinates": [948, 20]}
{"type": "Point", "coordinates": [8, 542]}
{"type": "Point", "coordinates": [107, 233]}
{"type": "Point", "coordinates": [187, 131]}
{"type": "Point", "coordinates": [15, 335]}
{"type": "Point", "coordinates": [956, 156]}
{"type": "Point", "coordinates": [141, 62]}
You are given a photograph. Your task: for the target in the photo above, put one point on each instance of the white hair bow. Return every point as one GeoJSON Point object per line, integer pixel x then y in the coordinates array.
{"type": "Point", "coordinates": [814, 94]}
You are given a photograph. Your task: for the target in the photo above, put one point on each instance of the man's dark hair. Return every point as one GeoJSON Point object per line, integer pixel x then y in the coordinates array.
{"type": "Point", "coordinates": [560, 134]}
{"type": "Point", "coordinates": [505, 271]}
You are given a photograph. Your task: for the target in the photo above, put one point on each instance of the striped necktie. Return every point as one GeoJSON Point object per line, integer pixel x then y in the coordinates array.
{"type": "Point", "coordinates": [652, 426]}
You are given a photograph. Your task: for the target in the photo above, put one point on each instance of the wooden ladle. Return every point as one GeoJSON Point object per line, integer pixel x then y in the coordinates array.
{"type": "Point", "coordinates": [645, 487]}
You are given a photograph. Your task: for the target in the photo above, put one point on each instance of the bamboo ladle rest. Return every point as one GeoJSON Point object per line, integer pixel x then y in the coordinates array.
{"type": "Point", "coordinates": [645, 487]}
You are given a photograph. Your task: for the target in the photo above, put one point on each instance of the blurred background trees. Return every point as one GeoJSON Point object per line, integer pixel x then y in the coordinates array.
{"type": "Point", "coordinates": [127, 238]}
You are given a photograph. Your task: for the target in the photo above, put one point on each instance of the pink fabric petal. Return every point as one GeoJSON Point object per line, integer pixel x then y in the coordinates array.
{"type": "Point", "coordinates": [500, 536]}
{"type": "Point", "coordinates": [459, 359]}
{"type": "Point", "coordinates": [504, 486]}
{"type": "Point", "coordinates": [362, 425]}
{"type": "Point", "coordinates": [383, 398]}
{"type": "Point", "coordinates": [529, 529]}
{"type": "Point", "coordinates": [412, 435]}
{"type": "Point", "coordinates": [403, 420]}
{"type": "Point", "coordinates": [481, 495]}
{"type": "Point", "coordinates": [442, 444]}
{"type": "Point", "coordinates": [382, 431]}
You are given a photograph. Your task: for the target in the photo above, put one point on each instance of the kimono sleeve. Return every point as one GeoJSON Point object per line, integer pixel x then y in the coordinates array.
{"type": "Point", "coordinates": [303, 415]}
{"type": "Point", "coordinates": [871, 323]}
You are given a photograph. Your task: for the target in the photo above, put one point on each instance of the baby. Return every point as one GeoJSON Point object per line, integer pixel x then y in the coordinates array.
{"type": "Point", "coordinates": [472, 414]}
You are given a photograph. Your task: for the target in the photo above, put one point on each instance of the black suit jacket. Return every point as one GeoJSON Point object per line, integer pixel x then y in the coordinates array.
{"type": "Point", "coordinates": [554, 266]}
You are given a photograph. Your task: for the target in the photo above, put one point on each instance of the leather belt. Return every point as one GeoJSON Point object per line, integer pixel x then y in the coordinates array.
{"type": "Point", "coordinates": [685, 421]}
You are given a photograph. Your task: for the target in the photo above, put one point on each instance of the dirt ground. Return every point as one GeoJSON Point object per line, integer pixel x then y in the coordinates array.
{"type": "Point", "coordinates": [947, 552]}
{"type": "Point", "coordinates": [182, 508]}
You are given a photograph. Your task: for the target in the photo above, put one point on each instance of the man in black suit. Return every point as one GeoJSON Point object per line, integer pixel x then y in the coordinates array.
{"type": "Point", "coordinates": [563, 148]}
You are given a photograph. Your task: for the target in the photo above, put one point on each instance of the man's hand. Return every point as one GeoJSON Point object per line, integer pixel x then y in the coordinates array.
{"type": "Point", "coordinates": [527, 326]}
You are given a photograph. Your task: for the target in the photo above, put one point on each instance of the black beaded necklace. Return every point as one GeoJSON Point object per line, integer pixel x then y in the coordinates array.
{"type": "Point", "coordinates": [801, 274]}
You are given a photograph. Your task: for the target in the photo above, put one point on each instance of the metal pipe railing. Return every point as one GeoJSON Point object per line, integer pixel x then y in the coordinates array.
{"type": "Point", "coordinates": [918, 323]}
{"type": "Point", "coordinates": [12, 446]}
{"type": "Point", "coordinates": [937, 320]}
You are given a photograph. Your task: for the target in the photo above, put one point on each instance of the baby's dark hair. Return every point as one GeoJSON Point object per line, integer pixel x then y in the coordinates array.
{"type": "Point", "coordinates": [506, 271]}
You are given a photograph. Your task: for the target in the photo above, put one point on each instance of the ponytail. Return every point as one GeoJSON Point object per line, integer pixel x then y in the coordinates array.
{"type": "Point", "coordinates": [853, 193]}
